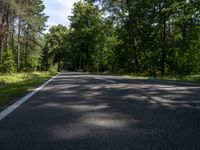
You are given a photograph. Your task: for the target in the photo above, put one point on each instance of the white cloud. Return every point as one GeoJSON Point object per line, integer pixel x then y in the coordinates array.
{"type": "Point", "coordinates": [58, 11]}
{"type": "Point", "coordinates": [67, 3]}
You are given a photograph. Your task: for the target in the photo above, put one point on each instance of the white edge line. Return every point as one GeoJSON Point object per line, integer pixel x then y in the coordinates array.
{"type": "Point", "coordinates": [105, 80]}
{"type": "Point", "coordinates": [14, 106]}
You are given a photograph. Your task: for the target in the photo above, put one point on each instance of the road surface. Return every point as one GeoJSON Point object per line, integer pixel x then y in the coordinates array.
{"type": "Point", "coordinates": [88, 112]}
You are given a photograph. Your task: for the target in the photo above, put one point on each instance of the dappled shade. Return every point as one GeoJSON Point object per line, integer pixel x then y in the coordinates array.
{"type": "Point", "coordinates": [81, 112]}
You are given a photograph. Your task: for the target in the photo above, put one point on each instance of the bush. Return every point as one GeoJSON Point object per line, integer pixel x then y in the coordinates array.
{"type": "Point", "coordinates": [7, 65]}
{"type": "Point", "coordinates": [53, 70]}
{"type": "Point", "coordinates": [32, 63]}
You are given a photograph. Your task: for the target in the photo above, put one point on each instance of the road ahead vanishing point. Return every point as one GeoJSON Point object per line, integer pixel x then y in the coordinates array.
{"type": "Point", "coordinates": [87, 112]}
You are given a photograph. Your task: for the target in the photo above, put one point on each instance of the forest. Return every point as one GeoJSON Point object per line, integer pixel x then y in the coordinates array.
{"type": "Point", "coordinates": [109, 75]}
{"type": "Point", "coordinates": [151, 38]}
{"type": "Point", "coordinates": [21, 25]}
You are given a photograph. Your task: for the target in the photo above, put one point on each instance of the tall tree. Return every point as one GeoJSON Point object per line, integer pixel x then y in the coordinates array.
{"type": "Point", "coordinates": [154, 37]}
{"type": "Point", "coordinates": [56, 47]}
{"type": "Point", "coordinates": [21, 25]}
{"type": "Point", "coordinates": [86, 34]}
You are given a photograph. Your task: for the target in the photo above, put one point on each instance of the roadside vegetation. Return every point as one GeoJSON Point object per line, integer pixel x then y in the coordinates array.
{"type": "Point", "coordinates": [17, 84]}
{"type": "Point", "coordinates": [159, 39]}
{"type": "Point", "coordinates": [194, 79]}
{"type": "Point", "coordinates": [22, 24]}
{"type": "Point", "coordinates": [154, 38]}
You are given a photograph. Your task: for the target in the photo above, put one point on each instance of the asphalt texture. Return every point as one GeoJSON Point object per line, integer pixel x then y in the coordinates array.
{"type": "Point", "coordinates": [87, 112]}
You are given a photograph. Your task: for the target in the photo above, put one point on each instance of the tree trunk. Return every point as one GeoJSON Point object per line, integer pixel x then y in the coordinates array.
{"type": "Point", "coordinates": [132, 36]}
{"type": "Point", "coordinates": [18, 44]}
{"type": "Point", "coordinates": [1, 41]}
{"type": "Point", "coordinates": [26, 49]}
{"type": "Point", "coordinates": [163, 57]}
{"type": "Point", "coordinates": [162, 40]}
{"type": "Point", "coordinates": [7, 29]}
{"type": "Point", "coordinates": [13, 33]}
{"type": "Point", "coordinates": [2, 33]}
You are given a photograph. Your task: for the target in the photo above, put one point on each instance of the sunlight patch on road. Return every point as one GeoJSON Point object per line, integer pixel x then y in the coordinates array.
{"type": "Point", "coordinates": [88, 107]}
{"type": "Point", "coordinates": [111, 81]}
{"type": "Point", "coordinates": [167, 100]}
{"type": "Point", "coordinates": [78, 107]}
{"type": "Point", "coordinates": [91, 122]}
{"type": "Point", "coordinates": [69, 131]}
{"type": "Point", "coordinates": [107, 123]}
{"type": "Point", "coordinates": [107, 120]}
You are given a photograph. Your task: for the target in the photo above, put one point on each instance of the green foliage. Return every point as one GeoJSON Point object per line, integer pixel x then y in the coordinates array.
{"type": "Point", "coordinates": [7, 66]}
{"type": "Point", "coordinates": [53, 70]}
{"type": "Point", "coordinates": [86, 36]}
{"type": "Point", "coordinates": [12, 86]}
{"type": "Point", "coordinates": [55, 49]}
{"type": "Point", "coordinates": [32, 62]}
{"type": "Point", "coordinates": [154, 38]}
{"type": "Point", "coordinates": [21, 26]}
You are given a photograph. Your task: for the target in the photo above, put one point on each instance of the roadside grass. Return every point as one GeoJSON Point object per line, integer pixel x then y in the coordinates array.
{"type": "Point", "coordinates": [15, 85]}
{"type": "Point", "coordinates": [194, 79]}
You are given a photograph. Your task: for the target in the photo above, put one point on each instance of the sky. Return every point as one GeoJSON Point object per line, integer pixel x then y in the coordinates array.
{"type": "Point", "coordinates": [58, 11]}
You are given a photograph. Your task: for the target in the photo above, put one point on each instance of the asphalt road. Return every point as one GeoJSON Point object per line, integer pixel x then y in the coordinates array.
{"type": "Point", "coordinates": [87, 112]}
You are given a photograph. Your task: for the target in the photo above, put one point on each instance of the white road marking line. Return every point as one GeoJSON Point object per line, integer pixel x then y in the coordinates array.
{"type": "Point", "coordinates": [111, 81]}
{"type": "Point", "coordinates": [14, 106]}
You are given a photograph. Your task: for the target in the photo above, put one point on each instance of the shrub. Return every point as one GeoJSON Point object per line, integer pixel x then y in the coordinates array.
{"type": "Point", "coordinates": [53, 70]}
{"type": "Point", "coordinates": [7, 65]}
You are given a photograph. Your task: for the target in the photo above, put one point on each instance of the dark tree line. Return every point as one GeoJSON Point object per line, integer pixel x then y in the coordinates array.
{"type": "Point", "coordinates": [154, 37]}
{"type": "Point", "coordinates": [21, 25]}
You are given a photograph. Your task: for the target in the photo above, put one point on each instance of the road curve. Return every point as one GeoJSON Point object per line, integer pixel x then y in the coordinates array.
{"type": "Point", "coordinates": [77, 111]}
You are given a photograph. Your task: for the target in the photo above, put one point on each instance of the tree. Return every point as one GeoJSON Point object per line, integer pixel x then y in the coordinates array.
{"type": "Point", "coordinates": [55, 47]}
{"type": "Point", "coordinates": [86, 35]}
{"type": "Point", "coordinates": [21, 25]}
{"type": "Point", "coordinates": [150, 38]}
{"type": "Point", "coordinates": [154, 37]}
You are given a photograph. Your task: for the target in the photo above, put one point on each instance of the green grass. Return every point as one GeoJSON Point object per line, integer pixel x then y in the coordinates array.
{"type": "Point", "coordinates": [15, 85]}
{"type": "Point", "coordinates": [195, 79]}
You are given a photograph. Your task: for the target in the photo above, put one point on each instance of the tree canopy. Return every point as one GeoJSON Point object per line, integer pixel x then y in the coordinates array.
{"type": "Point", "coordinates": [153, 37]}
{"type": "Point", "coordinates": [21, 25]}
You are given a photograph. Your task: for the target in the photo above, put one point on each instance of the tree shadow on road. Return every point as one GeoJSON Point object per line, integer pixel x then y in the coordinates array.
{"type": "Point", "coordinates": [86, 113]}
